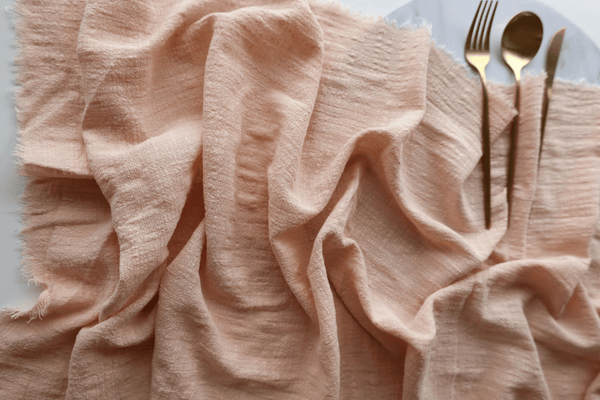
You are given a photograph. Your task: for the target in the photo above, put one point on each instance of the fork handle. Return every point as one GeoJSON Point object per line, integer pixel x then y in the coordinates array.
{"type": "Point", "coordinates": [486, 162]}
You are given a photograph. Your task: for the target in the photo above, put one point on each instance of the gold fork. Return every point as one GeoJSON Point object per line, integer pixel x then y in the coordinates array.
{"type": "Point", "coordinates": [477, 54]}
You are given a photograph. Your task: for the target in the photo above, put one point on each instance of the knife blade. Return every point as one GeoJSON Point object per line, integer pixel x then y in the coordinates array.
{"type": "Point", "coordinates": [551, 63]}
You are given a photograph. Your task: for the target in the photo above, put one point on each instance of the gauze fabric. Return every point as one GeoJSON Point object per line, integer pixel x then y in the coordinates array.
{"type": "Point", "coordinates": [282, 200]}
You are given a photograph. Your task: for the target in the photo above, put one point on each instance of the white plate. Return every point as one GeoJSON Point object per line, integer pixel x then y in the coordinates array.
{"type": "Point", "coordinates": [449, 22]}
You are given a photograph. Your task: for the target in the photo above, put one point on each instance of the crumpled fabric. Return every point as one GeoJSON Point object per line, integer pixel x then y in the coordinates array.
{"type": "Point", "coordinates": [283, 200]}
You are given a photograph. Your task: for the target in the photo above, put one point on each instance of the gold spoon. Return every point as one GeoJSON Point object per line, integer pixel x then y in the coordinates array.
{"type": "Point", "coordinates": [521, 41]}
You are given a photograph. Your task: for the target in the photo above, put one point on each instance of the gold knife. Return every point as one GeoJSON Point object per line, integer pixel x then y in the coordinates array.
{"type": "Point", "coordinates": [551, 63]}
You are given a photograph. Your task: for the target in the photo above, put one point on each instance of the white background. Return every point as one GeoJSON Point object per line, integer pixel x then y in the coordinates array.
{"type": "Point", "coordinates": [13, 289]}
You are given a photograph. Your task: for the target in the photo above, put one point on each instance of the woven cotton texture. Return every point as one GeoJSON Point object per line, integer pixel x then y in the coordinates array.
{"type": "Point", "coordinates": [283, 200]}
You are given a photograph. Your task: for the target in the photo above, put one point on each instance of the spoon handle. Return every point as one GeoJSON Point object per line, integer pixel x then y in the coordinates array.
{"type": "Point", "coordinates": [512, 155]}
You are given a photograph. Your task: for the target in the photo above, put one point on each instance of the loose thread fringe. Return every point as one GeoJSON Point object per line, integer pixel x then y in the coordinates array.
{"type": "Point", "coordinates": [380, 19]}
{"type": "Point", "coordinates": [27, 262]}
{"type": "Point", "coordinates": [38, 311]}
{"type": "Point", "coordinates": [408, 25]}
{"type": "Point", "coordinates": [19, 28]}
{"type": "Point", "coordinates": [28, 269]}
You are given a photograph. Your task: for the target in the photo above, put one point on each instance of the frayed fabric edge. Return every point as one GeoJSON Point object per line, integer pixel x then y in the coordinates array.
{"type": "Point", "coordinates": [26, 267]}
{"type": "Point", "coordinates": [379, 18]}
{"type": "Point", "coordinates": [580, 83]}
{"type": "Point", "coordinates": [405, 26]}
{"type": "Point", "coordinates": [17, 12]}
{"type": "Point", "coordinates": [38, 311]}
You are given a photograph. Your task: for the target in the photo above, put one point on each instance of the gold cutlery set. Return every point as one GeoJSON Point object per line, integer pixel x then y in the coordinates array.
{"type": "Point", "coordinates": [521, 41]}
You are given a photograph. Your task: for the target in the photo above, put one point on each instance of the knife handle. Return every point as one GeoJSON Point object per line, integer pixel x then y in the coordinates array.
{"type": "Point", "coordinates": [547, 94]}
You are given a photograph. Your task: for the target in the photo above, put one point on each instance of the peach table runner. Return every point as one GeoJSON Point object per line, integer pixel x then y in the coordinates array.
{"type": "Point", "coordinates": [282, 200]}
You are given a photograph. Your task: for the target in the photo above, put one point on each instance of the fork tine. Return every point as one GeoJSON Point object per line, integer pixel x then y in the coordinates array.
{"type": "Point", "coordinates": [483, 30]}
{"type": "Point", "coordinates": [487, 36]}
{"type": "Point", "coordinates": [469, 42]}
{"type": "Point", "coordinates": [478, 40]}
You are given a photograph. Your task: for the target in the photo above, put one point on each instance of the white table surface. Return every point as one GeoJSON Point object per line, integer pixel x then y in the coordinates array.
{"type": "Point", "coordinates": [13, 289]}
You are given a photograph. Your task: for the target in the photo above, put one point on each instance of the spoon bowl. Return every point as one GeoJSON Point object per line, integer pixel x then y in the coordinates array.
{"type": "Point", "coordinates": [521, 41]}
